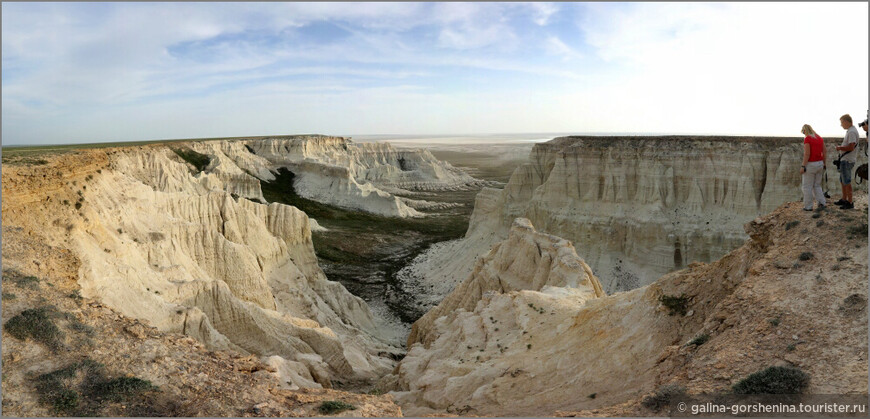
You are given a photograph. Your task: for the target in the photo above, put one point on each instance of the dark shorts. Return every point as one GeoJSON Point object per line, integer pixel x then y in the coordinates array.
{"type": "Point", "coordinates": [846, 172]}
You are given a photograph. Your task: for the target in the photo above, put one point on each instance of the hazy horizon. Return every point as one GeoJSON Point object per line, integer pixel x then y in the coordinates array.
{"type": "Point", "coordinates": [118, 72]}
{"type": "Point", "coordinates": [484, 138]}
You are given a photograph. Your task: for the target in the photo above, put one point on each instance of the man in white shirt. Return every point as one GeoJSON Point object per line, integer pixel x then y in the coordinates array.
{"type": "Point", "coordinates": [847, 160]}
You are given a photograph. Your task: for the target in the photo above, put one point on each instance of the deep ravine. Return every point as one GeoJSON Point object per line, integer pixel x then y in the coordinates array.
{"type": "Point", "coordinates": [365, 251]}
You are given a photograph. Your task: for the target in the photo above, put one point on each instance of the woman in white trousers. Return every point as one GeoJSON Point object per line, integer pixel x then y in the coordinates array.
{"type": "Point", "coordinates": [813, 168]}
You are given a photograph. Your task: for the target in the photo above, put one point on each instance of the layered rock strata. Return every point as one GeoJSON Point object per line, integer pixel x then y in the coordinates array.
{"type": "Point", "coordinates": [364, 176]}
{"type": "Point", "coordinates": [640, 206]}
{"type": "Point", "coordinates": [186, 252]}
{"type": "Point", "coordinates": [566, 351]}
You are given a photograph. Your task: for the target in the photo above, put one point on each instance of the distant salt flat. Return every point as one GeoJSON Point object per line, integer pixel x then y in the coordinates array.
{"type": "Point", "coordinates": [425, 141]}
{"type": "Point", "coordinates": [439, 141]}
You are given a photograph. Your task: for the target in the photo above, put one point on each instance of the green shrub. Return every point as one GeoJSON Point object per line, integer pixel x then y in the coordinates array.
{"type": "Point", "coordinates": [774, 321]}
{"type": "Point", "coordinates": [792, 224]}
{"type": "Point", "coordinates": [773, 380]}
{"type": "Point", "coordinates": [22, 281]}
{"type": "Point", "coordinates": [806, 256]}
{"type": "Point", "coordinates": [817, 215]}
{"type": "Point", "coordinates": [121, 388]}
{"type": "Point", "coordinates": [334, 406]}
{"type": "Point", "coordinates": [700, 339]}
{"type": "Point", "coordinates": [663, 396]}
{"type": "Point", "coordinates": [54, 390]}
{"type": "Point", "coordinates": [858, 230]}
{"type": "Point", "coordinates": [63, 400]}
{"type": "Point", "coordinates": [35, 323]}
{"type": "Point", "coordinates": [82, 388]}
{"type": "Point", "coordinates": [675, 304]}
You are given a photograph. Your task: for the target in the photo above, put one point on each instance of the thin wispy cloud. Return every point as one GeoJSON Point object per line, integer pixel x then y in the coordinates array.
{"type": "Point", "coordinates": [77, 72]}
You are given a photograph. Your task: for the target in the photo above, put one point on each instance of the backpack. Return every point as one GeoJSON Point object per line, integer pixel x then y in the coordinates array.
{"type": "Point", "coordinates": [861, 172]}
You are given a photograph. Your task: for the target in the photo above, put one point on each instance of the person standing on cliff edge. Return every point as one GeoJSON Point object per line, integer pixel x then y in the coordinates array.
{"type": "Point", "coordinates": [847, 161]}
{"type": "Point", "coordinates": [813, 168]}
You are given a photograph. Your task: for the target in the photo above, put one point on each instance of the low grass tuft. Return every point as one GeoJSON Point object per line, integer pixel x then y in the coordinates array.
{"type": "Point", "coordinates": [120, 388]}
{"type": "Point", "coordinates": [792, 224]}
{"type": "Point", "coordinates": [675, 305]}
{"type": "Point", "coordinates": [35, 323]}
{"type": "Point", "coordinates": [858, 230]}
{"type": "Point", "coordinates": [23, 281]}
{"type": "Point", "coordinates": [82, 389]}
{"type": "Point", "coordinates": [773, 380]}
{"type": "Point", "coordinates": [334, 406]}
{"type": "Point", "coordinates": [700, 339]}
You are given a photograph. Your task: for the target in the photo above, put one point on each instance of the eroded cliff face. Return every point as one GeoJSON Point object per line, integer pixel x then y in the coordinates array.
{"type": "Point", "coordinates": [526, 260]}
{"type": "Point", "coordinates": [365, 177]}
{"type": "Point", "coordinates": [500, 347]}
{"type": "Point", "coordinates": [635, 207]}
{"type": "Point", "coordinates": [161, 242]}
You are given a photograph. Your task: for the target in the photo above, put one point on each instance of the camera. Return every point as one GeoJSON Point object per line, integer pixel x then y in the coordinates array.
{"type": "Point", "coordinates": [837, 163]}
{"type": "Point", "coordinates": [863, 124]}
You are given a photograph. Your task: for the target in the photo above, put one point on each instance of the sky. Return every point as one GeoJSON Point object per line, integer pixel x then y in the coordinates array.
{"type": "Point", "coordinates": [95, 72]}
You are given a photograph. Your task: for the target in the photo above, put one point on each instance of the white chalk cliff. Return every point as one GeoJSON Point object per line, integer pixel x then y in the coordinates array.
{"type": "Point", "coordinates": [508, 318]}
{"type": "Point", "coordinates": [360, 176]}
{"type": "Point", "coordinates": [162, 243]}
{"type": "Point", "coordinates": [635, 207]}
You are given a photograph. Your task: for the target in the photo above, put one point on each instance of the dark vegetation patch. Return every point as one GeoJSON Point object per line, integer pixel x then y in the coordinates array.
{"type": "Point", "coordinates": [23, 160]}
{"type": "Point", "coordinates": [334, 406]}
{"type": "Point", "coordinates": [853, 305]}
{"type": "Point", "coordinates": [806, 256]}
{"type": "Point", "coordinates": [84, 389]}
{"type": "Point", "coordinates": [773, 380]}
{"type": "Point", "coordinates": [674, 304]}
{"type": "Point", "coordinates": [198, 160]}
{"type": "Point", "coordinates": [23, 281]}
{"type": "Point", "coordinates": [859, 230]}
{"type": "Point", "coordinates": [791, 224]}
{"type": "Point", "coordinates": [700, 339]}
{"type": "Point", "coordinates": [36, 324]}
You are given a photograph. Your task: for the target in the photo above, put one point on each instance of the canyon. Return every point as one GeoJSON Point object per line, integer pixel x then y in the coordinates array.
{"type": "Point", "coordinates": [636, 207]}
{"type": "Point", "coordinates": [553, 291]}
